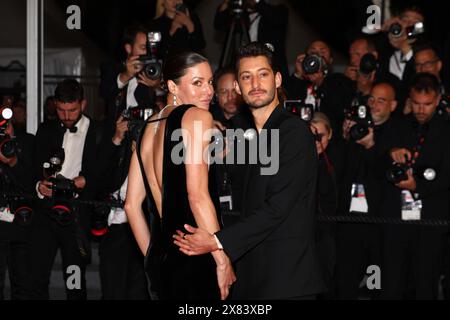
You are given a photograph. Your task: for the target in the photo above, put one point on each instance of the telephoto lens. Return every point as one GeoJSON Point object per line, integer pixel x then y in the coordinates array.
{"type": "Point", "coordinates": [312, 64]}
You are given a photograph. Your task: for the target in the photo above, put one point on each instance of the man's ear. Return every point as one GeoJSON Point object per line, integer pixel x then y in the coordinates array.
{"type": "Point", "coordinates": [237, 88]}
{"type": "Point", "coordinates": [393, 105]}
{"type": "Point", "coordinates": [278, 79]}
{"type": "Point", "coordinates": [83, 104]}
{"type": "Point", "coordinates": [172, 86]}
{"type": "Point", "coordinates": [439, 65]}
{"type": "Point", "coordinates": [128, 48]}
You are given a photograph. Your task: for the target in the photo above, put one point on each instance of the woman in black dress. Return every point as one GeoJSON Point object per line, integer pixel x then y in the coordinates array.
{"type": "Point", "coordinates": [179, 182]}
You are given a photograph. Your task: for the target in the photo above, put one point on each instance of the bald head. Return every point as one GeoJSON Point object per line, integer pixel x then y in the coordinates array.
{"type": "Point", "coordinates": [382, 102]}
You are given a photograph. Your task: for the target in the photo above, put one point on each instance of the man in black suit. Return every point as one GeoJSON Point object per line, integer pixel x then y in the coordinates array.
{"type": "Point", "coordinates": [272, 244]}
{"type": "Point", "coordinates": [418, 141]}
{"type": "Point", "coordinates": [125, 85]}
{"type": "Point", "coordinates": [16, 172]}
{"type": "Point", "coordinates": [58, 223]}
{"type": "Point", "coordinates": [263, 22]}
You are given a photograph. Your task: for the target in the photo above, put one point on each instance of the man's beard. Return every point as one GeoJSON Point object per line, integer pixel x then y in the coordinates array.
{"type": "Point", "coordinates": [262, 103]}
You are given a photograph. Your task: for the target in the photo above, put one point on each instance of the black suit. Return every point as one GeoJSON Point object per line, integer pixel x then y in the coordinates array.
{"type": "Point", "coordinates": [416, 250]}
{"type": "Point", "coordinates": [14, 253]}
{"type": "Point", "coordinates": [272, 29]}
{"type": "Point", "coordinates": [273, 241]}
{"type": "Point", "coordinates": [115, 98]}
{"type": "Point", "coordinates": [47, 234]}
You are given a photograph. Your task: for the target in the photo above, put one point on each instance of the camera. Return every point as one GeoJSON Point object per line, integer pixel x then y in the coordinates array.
{"type": "Point", "coordinates": [304, 110]}
{"type": "Point", "coordinates": [99, 220]}
{"type": "Point", "coordinates": [444, 104]}
{"type": "Point", "coordinates": [313, 63]}
{"type": "Point", "coordinates": [136, 117]}
{"type": "Point", "coordinates": [397, 173]}
{"type": "Point", "coordinates": [361, 115]}
{"type": "Point", "coordinates": [368, 64]}
{"type": "Point", "coordinates": [181, 7]}
{"type": "Point", "coordinates": [396, 30]}
{"type": "Point", "coordinates": [55, 162]}
{"type": "Point", "coordinates": [8, 145]}
{"type": "Point", "coordinates": [152, 67]}
{"type": "Point", "coordinates": [23, 212]}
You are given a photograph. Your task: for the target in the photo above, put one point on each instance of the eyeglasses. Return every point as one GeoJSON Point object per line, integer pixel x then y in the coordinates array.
{"type": "Point", "coordinates": [427, 64]}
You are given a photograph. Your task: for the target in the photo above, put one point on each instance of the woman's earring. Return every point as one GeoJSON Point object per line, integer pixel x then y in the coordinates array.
{"type": "Point", "coordinates": [174, 100]}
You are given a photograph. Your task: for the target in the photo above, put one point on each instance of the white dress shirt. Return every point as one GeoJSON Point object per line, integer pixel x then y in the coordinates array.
{"type": "Point", "coordinates": [132, 85]}
{"type": "Point", "coordinates": [397, 63]}
{"type": "Point", "coordinates": [118, 215]}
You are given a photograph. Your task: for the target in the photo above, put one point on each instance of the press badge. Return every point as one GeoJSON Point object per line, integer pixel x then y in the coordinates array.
{"type": "Point", "coordinates": [411, 208]}
{"type": "Point", "coordinates": [6, 215]}
{"type": "Point", "coordinates": [359, 202]}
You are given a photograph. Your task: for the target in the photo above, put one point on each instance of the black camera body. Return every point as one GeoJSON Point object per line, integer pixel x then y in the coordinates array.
{"type": "Point", "coordinates": [136, 117]}
{"type": "Point", "coordinates": [151, 66]}
{"type": "Point", "coordinates": [361, 115]}
{"type": "Point", "coordinates": [313, 63]}
{"type": "Point", "coordinates": [396, 30]}
{"type": "Point", "coordinates": [398, 172]}
{"type": "Point", "coordinates": [297, 107]}
{"type": "Point", "coordinates": [181, 7]}
{"type": "Point", "coordinates": [8, 145]}
{"type": "Point", "coordinates": [62, 188]}
{"type": "Point", "coordinates": [368, 64]}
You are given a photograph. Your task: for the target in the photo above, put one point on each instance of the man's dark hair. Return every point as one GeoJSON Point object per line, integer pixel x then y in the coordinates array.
{"type": "Point", "coordinates": [427, 46]}
{"type": "Point", "coordinates": [221, 72]}
{"type": "Point", "coordinates": [69, 90]}
{"type": "Point", "coordinates": [255, 49]}
{"type": "Point", "coordinates": [176, 65]}
{"type": "Point", "coordinates": [425, 83]}
{"type": "Point", "coordinates": [130, 33]}
{"type": "Point", "coordinates": [370, 43]}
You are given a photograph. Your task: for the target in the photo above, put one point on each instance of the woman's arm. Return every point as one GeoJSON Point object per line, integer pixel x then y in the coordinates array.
{"type": "Point", "coordinates": [133, 205]}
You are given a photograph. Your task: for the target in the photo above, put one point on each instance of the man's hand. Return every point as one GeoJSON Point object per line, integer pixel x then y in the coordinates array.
{"type": "Point", "coordinates": [132, 67]}
{"type": "Point", "coordinates": [198, 242]}
{"type": "Point", "coordinates": [346, 126]}
{"type": "Point", "coordinates": [400, 155]}
{"type": "Point", "coordinates": [45, 188]}
{"type": "Point", "coordinates": [409, 184]}
{"type": "Point", "coordinates": [351, 72]}
{"type": "Point", "coordinates": [11, 162]}
{"type": "Point", "coordinates": [142, 78]}
{"type": "Point", "coordinates": [184, 20]}
{"type": "Point", "coordinates": [368, 141]}
{"type": "Point", "coordinates": [80, 182]}
{"type": "Point", "coordinates": [298, 65]}
{"type": "Point", "coordinates": [121, 128]}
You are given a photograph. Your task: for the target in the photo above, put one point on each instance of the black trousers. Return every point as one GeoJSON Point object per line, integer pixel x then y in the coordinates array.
{"type": "Point", "coordinates": [326, 252]}
{"type": "Point", "coordinates": [122, 273]}
{"type": "Point", "coordinates": [412, 259]}
{"type": "Point", "coordinates": [47, 236]}
{"type": "Point", "coordinates": [14, 258]}
{"type": "Point", "coordinates": [357, 247]}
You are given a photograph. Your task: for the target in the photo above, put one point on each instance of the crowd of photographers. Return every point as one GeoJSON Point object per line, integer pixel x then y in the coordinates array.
{"type": "Point", "coordinates": [380, 127]}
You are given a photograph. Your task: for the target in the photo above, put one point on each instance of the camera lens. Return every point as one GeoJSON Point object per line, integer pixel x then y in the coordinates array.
{"type": "Point", "coordinates": [312, 64]}
{"type": "Point", "coordinates": [396, 30]}
{"type": "Point", "coordinates": [358, 131]}
{"type": "Point", "coordinates": [153, 70]}
{"type": "Point", "coordinates": [8, 148]}
{"type": "Point", "coordinates": [396, 173]}
{"type": "Point", "coordinates": [368, 64]}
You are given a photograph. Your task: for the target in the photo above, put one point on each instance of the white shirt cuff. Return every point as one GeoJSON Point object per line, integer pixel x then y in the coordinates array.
{"type": "Point", "coordinates": [40, 195]}
{"type": "Point", "coordinates": [120, 84]}
{"type": "Point", "coordinates": [219, 245]}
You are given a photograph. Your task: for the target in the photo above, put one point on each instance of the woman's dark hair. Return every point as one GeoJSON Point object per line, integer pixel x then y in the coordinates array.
{"type": "Point", "coordinates": [176, 65]}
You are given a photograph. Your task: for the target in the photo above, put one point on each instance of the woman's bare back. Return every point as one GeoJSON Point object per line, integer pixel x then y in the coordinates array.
{"type": "Point", "coordinates": [152, 154]}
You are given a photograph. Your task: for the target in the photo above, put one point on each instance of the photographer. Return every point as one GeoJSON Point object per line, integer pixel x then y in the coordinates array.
{"type": "Point", "coordinates": [15, 177]}
{"type": "Point", "coordinates": [367, 137]}
{"type": "Point", "coordinates": [328, 92]}
{"type": "Point", "coordinates": [127, 85]}
{"type": "Point", "coordinates": [181, 29]}
{"type": "Point", "coordinates": [73, 143]}
{"type": "Point", "coordinates": [266, 23]}
{"type": "Point", "coordinates": [426, 59]}
{"type": "Point", "coordinates": [419, 189]}
{"type": "Point", "coordinates": [121, 262]}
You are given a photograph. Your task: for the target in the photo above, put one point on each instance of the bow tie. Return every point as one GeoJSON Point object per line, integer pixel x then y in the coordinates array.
{"type": "Point", "coordinates": [73, 129]}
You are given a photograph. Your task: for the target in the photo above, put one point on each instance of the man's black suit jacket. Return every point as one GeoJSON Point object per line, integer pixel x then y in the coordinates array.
{"type": "Point", "coordinates": [115, 98]}
{"type": "Point", "coordinates": [49, 137]}
{"type": "Point", "coordinates": [272, 244]}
